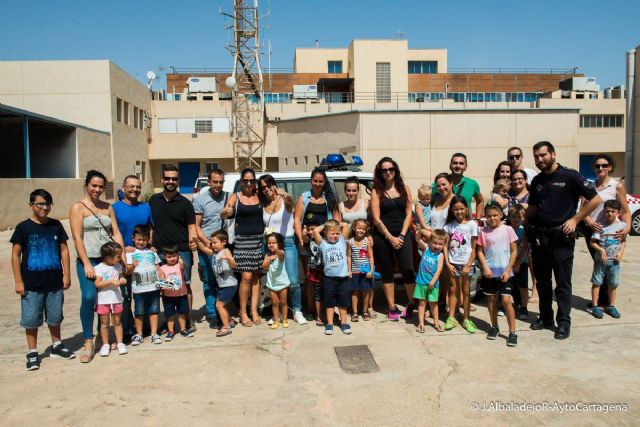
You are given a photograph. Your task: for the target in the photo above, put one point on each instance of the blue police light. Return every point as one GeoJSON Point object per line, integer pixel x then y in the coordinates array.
{"type": "Point", "coordinates": [357, 160]}
{"type": "Point", "coordinates": [335, 159]}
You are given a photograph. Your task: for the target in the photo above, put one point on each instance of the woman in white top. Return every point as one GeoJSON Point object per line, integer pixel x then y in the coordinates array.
{"type": "Point", "coordinates": [278, 217]}
{"type": "Point", "coordinates": [443, 199]}
{"type": "Point", "coordinates": [608, 188]}
{"type": "Point", "coordinates": [353, 207]}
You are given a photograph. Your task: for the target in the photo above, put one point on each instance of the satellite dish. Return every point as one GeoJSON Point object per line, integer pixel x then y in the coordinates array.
{"type": "Point", "coordinates": [230, 82]}
{"type": "Point", "coordinates": [151, 75]}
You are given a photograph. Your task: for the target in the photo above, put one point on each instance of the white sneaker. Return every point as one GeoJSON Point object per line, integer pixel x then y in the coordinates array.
{"type": "Point", "coordinates": [105, 350]}
{"type": "Point", "coordinates": [122, 348]}
{"type": "Point", "coordinates": [298, 317]}
{"type": "Point", "coordinates": [156, 339]}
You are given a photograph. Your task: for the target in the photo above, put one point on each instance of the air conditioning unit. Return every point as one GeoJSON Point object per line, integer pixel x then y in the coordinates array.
{"type": "Point", "coordinates": [586, 84]}
{"type": "Point", "coordinates": [305, 91]}
{"type": "Point", "coordinates": [202, 84]}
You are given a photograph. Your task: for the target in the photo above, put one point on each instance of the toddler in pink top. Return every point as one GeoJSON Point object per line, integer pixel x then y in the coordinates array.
{"type": "Point", "coordinates": [175, 302]}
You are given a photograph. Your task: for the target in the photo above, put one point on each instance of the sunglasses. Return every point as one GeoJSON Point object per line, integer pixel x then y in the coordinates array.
{"type": "Point", "coordinates": [170, 178]}
{"type": "Point", "coordinates": [515, 157]}
{"type": "Point", "coordinates": [389, 170]}
{"type": "Point", "coordinates": [41, 205]}
{"type": "Point", "coordinates": [249, 181]}
{"type": "Point", "coordinates": [601, 166]}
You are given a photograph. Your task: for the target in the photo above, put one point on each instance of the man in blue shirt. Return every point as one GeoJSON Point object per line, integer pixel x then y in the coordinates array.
{"type": "Point", "coordinates": [129, 213]}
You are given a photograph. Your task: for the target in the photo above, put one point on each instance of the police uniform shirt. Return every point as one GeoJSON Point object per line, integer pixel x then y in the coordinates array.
{"type": "Point", "coordinates": [556, 196]}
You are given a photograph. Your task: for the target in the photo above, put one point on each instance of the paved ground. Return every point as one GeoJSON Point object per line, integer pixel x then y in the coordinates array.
{"type": "Point", "coordinates": [293, 376]}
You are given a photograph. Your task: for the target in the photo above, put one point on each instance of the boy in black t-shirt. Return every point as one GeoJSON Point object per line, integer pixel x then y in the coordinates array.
{"type": "Point", "coordinates": [40, 262]}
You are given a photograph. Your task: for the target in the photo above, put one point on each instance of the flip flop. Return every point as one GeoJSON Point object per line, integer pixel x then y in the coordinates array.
{"type": "Point", "coordinates": [420, 329]}
{"type": "Point", "coordinates": [319, 322]}
{"type": "Point", "coordinates": [366, 317]}
{"type": "Point", "coordinates": [246, 323]}
{"type": "Point", "coordinates": [257, 322]}
{"type": "Point", "coordinates": [223, 332]}
{"type": "Point", "coordinates": [439, 327]}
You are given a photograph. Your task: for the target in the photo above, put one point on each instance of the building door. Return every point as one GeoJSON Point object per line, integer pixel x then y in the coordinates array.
{"type": "Point", "coordinates": [586, 166]}
{"type": "Point", "coordinates": [189, 172]}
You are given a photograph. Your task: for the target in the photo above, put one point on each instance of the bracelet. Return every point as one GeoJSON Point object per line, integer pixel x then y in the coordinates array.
{"type": "Point", "coordinates": [401, 237]}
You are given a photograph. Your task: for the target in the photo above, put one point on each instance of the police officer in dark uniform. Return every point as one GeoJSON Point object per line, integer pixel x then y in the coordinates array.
{"type": "Point", "coordinates": [552, 220]}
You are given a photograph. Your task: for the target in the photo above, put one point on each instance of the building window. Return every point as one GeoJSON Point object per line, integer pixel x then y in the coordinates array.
{"type": "Point", "coordinates": [125, 111]}
{"type": "Point", "coordinates": [423, 67]}
{"type": "Point", "coordinates": [306, 160]}
{"type": "Point", "coordinates": [135, 117]}
{"type": "Point", "coordinates": [317, 158]}
{"type": "Point", "coordinates": [383, 81]}
{"type": "Point", "coordinates": [286, 161]}
{"type": "Point", "coordinates": [601, 121]}
{"type": "Point", "coordinates": [334, 66]}
{"type": "Point", "coordinates": [177, 97]}
{"type": "Point", "coordinates": [141, 119]}
{"type": "Point", "coordinates": [140, 169]}
{"type": "Point", "coordinates": [119, 109]}
{"type": "Point", "coordinates": [204, 126]}
{"type": "Point", "coordinates": [211, 166]}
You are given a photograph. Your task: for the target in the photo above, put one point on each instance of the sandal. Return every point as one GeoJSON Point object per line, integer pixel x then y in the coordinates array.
{"type": "Point", "coordinates": [439, 327]}
{"type": "Point", "coordinates": [354, 317]}
{"type": "Point", "coordinates": [246, 323]}
{"type": "Point", "coordinates": [257, 322]}
{"type": "Point", "coordinates": [319, 322]}
{"type": "Point", "coordinates": [472, 307]}
{"type": "Point", "coordinates": [420, 329]}
{"type": "Point", "coordinates": [233, 323]}
{"type": "Point", "coordinates": [85, 355]}
{"type": "Point", "coordinates": [366, 317]}
{"type": "Point", "coordinates": [223, 332]}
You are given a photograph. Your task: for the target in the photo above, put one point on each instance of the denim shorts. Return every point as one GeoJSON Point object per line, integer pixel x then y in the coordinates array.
{"type": "Point", "coordinates": [359, 282]}
{"type": "Point", "coordinates": [147, 303]}
{"type": "Point", "coordinates": [36, 304]}
{"type": "Point", "coordinates": [175, 305]}
{"type": "Point", "coordinates": [226, 294]}
{"type": "Point", "coordinates": [608, 273]}
{"type": "Point", "coordinates": [336, 292]}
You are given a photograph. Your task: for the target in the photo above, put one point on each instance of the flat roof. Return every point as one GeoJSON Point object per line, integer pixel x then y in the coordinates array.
{"type": "Point", "coordinates": [447, 110]}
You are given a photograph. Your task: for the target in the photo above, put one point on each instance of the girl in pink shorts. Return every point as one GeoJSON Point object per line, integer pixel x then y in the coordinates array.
{"type": "Point", "coordinates": [109, 277]}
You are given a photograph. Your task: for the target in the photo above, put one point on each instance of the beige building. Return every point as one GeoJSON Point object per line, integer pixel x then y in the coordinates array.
{"type": "Point", "coordinates": [78, 115]}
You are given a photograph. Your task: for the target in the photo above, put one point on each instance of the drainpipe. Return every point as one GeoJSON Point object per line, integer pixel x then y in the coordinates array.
{"type": "Point", "coordinates": [629, 125]}
{"type": "Point", "coordinates": [26, 146]}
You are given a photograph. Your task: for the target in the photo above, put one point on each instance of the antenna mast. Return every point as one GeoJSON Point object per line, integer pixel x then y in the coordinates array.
{"type": "Point", "coordinates": [248, 122]}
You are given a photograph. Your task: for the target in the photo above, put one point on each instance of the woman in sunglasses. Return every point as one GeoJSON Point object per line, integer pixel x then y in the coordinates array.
{"type": "Point", "coordinates": [249, 233]}
{"type": "Point", "coordinates": [608, 188]}
{"type": "Point", "coordinates": [391, 211]}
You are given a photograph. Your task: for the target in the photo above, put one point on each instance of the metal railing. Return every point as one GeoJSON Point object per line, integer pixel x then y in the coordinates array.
{"type": "Point", "coordinates": [450, 70]}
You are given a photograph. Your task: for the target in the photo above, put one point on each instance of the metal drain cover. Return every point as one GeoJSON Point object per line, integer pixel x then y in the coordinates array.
{"type": "Point", "coordinates": [356, 359]}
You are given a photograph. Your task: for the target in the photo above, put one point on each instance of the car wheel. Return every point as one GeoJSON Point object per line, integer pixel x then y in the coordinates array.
{"type": "Point", "coordinates": [635, 223]}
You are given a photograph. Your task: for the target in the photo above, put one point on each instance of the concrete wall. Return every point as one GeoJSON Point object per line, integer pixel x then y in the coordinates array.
{"type": "Point", "coordinates": [422, 142]}
{"type": "Point", "coordinates": [94, 152]}
{"type": "Point", "coordinates": [636, 126]}
{"type": "Point", "coordinates": [315, 60]}
{"type": "Point", "coordinates": [129, 144]}
{"type": "Point", "coordinates": [14, 198]}
{"type": "Point", "coordinates": [366, 53]}
{"type": "Point", "coordinates": [73, 91]}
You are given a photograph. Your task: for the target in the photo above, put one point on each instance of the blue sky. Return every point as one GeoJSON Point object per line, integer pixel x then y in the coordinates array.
{"type": "Point", "coordinates": [139, 35]}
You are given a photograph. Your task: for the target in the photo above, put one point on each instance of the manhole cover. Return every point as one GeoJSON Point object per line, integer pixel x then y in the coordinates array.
{"type": "Point", "coordinates": [356, 359]}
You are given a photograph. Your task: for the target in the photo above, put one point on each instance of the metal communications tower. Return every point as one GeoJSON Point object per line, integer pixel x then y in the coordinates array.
{"type": "Point", "coordinates": [248, 121]}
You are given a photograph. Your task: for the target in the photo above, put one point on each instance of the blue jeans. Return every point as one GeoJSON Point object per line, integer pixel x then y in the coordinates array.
{"type": "Point", "coordinates": [209, 284]}
{"type": "Point", "coordinates": [88, 302]}
{"type": "Point", "coordinates": [291, 257]}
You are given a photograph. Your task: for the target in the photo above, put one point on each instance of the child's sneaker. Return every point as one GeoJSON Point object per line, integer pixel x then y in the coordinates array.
{"type": "Point", "coordinates": [597, 312]}
{"type": "Point", "coordinates": [468, 325]}
{"type": "Point", "coordinates": [186, 333]}
{"type": "Point", "coordinates": [328, 329]}
{"type": "Point", "coordinates": [612, 311]}
{"type": "Point", "coordinates": [512, 339]}
{"type": "Point", "coordinates": [33, 361]}
{"type": "Point", "coordinates": [393, 314]}
{"type": "Point", "coordinates": [450, 323]}
{"type": "Point", "coordinates": [156, 339]}
{"type": "Point", "coordinates": [275, 325]}
{"type": "Point", "coordinates": [122, 348]}
{"type": "Point", "coordinates": [524, 313]}
{"type": "Point", "coordinates": [345, 328]}
{"type": "Point", "coordinates": [169, 336]}
{"type": "Point", "coordinates": [105, 350]}
{"type": "Point", "coordinates": [136, 340]}
{"type": "Point", "coordinates": [63, 352]}
{"type": "Point", "coordinates": [493, 333]}
{"type": "Point", "coordinates": [285, 323]}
